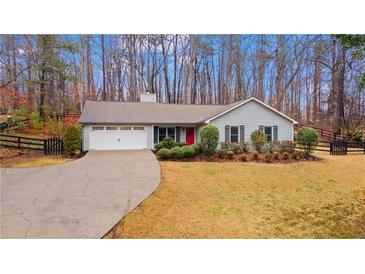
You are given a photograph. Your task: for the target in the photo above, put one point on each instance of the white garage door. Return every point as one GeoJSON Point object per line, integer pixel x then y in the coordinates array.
{"type": "Point", "coordinates": [117, 137]}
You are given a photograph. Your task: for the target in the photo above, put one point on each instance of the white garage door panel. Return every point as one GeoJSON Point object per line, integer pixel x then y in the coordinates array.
{"type": "Point", "coordinates": [118, 139]}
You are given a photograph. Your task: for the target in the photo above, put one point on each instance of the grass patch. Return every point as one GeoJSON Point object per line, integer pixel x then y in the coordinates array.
{"type": "Point", "coordinates": [44, 161]}
{"type": "Point", "coordinates": [21, 158]}
{"type": "Point", "coordinates": [320, 199]}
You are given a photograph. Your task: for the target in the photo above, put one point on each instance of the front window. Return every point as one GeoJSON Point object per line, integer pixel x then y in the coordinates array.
{"type": "Point", "coordinates": [171, 132]}
{"type": "Point", "coordinates": [268, 132]}
{"type": "Point", "coordinates": [164, 132]}
{"type": "Point", "coordinates": [161, 133]}
{"type": "Point", "coordinates": [234, 134]}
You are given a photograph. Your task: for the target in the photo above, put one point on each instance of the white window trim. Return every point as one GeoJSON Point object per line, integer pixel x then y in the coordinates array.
{"type": "Point", "coordinates": [238, 134]}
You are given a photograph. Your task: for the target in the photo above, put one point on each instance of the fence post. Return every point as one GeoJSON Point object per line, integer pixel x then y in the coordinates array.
{"type": "Point", "coordinates": [45, 146]}
{"type": "Point", "coordinates": [331, 148]}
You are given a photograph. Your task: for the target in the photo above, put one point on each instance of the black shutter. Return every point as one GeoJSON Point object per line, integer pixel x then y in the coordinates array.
{"type": "Point", "coordinates": [155, 135]}
{"type": "Point", "coordinates": [275, 129]}
{"type": "Point", "coordinates": [226, 133]}
{"type": "Point", "coordinates": [261, 128]}
{"type": "Point", "coordinates": [177, 137]}
{"type": "Point", "coordinates": [242, 133]}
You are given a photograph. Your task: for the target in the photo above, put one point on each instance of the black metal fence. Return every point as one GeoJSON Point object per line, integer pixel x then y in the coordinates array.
{"type": "Point", "coordinates": [52, 145]}
{"type": "Point", "coordinates": [342, 147]}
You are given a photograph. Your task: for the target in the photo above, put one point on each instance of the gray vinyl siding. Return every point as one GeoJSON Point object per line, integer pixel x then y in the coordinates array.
{"type": "Point", "coordinates": [252, 115]}
{"type": "Point", "coordinates": [85, 137]}
{"type": "Point", "coordinates": [149, 129]}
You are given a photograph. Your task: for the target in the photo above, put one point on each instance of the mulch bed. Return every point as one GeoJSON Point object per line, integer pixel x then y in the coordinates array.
{"type": "Point", "coordinates": [236, 158]}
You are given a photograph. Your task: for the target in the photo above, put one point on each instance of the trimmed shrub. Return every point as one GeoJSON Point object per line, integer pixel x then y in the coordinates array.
{"type": "Point", "coordinates": [72, 139]}
{"type": "Point", "coordinates": [243, 157]}
{"type": "Point", "coordinates": [256, 155]}
{"type": "Point", "coordinates": [275, 146]}
{"type": "Point", "coordinates": [164, 154]}
{"type": "Point", "coordinates": [168, 143]}
{"type": "Point", "coordinates": [235, 147]}
{"type": "Point", "coordinates": [307, 138]}
{"type": "Point", "coordinates": [285, 155]}
{"type": "Point", "coordinates": [177, 152]}
{"type": "Point", "coordinates": [268, 157]}
{"type": "Point", "coordinates": [188, 151]}
{"type": "Point", "coordinates": [295, 155]}
{"type": "Point", "coordinates": [303, 155]}
{"type": "Point", "coordinates": [266, 148]}
{"type": "Point", "coordinates": [225, 146]}
{"type": "Point", "coordinates": [258, 139]}
{"type": "Point", "coordinates": [244, 147]}
{"type": "Point", "coordinates": [181, 144]}
{"type": "Point", "coordinates": [196, 147]}
{"type": "Point", "coordinates": [229, 155]}
{"type": "Point", "coordinates": [276, 155]}
{"type": "Point", "coordinates": [209, 137]}
{"type": "Point", "coordinates": [286, 146]}
{"type": "Point", "coordinates": [159, 145]}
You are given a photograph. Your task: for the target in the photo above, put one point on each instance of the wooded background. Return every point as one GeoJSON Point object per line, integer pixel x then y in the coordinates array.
{"type": "Point", "coordinates": [316, 79]}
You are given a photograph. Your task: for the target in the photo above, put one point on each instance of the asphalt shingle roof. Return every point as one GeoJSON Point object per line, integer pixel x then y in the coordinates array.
{"type": "Point", "coordinates": [148, 113]}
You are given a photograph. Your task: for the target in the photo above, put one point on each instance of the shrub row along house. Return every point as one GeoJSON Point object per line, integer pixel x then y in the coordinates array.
{"type": "Point", "coordinates": [138, 125]}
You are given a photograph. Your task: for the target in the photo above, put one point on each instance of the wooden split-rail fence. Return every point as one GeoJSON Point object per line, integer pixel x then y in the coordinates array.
{"type": "Point", "coordinates": [53, 145]}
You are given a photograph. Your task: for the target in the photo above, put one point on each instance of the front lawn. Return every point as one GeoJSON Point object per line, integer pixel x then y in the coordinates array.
{"type": "Point", "coordinates": [19, 158]}
{"type": "Point", "coordinates": [320, 199]}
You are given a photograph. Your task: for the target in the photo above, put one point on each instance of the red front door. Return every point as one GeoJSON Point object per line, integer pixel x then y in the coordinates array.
{"type": "Point", "coordinates": [190, 135]}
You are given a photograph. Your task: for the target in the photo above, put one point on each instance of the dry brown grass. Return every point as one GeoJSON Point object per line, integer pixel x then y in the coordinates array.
{"type": "Point", "coordinates": [322, 199]}
{"type": "Point", "coordinates": [17, 158]}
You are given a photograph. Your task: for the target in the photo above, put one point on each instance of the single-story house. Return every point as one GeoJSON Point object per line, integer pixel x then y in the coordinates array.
{"type": "Point", "coordinates": [138, 125]}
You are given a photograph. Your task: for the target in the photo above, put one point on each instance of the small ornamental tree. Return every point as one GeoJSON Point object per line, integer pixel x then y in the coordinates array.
{"type": "Point", "coordinates": [209, 137]}
{"type": "Point", "coordinates": [307, 138]}
{"type": "Point", "coordinates": [258, 139]}
{"type": "Point", "coordinates": [72, 139]}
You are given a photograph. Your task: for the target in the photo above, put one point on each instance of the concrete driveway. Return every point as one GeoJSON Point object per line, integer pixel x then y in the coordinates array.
{"type": "Point", "coordinates": [81, 199]}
